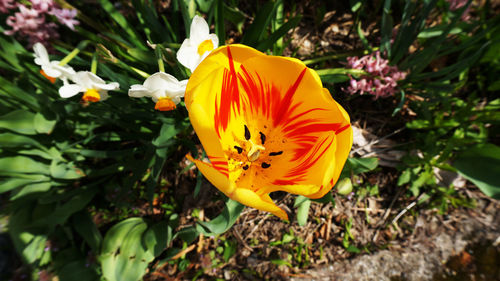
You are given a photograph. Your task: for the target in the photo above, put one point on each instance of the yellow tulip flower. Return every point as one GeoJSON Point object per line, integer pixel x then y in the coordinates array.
{"type": "Point", "coordinates": [266, 124]}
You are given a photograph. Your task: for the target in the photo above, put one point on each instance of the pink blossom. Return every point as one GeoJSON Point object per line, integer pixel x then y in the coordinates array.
{"type": "Point", "coordinates": [381, 79]}
{"type": "Point", "coordinates": [6, 5]}
{"type": "Point", "coordinates": [66, 17]}
{"type": "Point", "coordinates": [30, 24]}
{"type": "Point", "coordinates": [42, 6]}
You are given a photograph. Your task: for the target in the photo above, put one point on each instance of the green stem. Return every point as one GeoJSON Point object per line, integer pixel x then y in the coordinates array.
{"type": "Point", "coordinates": [159, 57]}
{"type": "Point", "coordinates": [73, 53]}
{"type": "Point", "coordinates": [93, 66]}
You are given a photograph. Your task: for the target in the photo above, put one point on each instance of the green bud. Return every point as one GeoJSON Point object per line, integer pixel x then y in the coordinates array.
{"type": "Point", "coordinates": [344, 186]}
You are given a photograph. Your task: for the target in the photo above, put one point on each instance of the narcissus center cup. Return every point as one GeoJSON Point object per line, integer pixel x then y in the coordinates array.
{"type": "Point", "coordinates": [267, 124]}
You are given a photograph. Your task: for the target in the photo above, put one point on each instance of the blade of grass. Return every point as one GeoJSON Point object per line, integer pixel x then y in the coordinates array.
{"type": "Point", "coordinates": [257, 29]}
{"type": "Point", "coordinates": [278, 34]}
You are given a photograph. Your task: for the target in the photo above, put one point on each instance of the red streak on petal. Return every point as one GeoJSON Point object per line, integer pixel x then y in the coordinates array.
{"type": "Point", "coordinates": [283, 182]}
{"type": "Point", "coordinates": [230, 97]}
{"type": "Point", "coordinates": [299, 171]}
{"type": "Point", "coordinates": [304, 128]}
{"type": "Point", "coordinates": [342, 129]}
{"type": "Point", "coordinates": [281, 110]}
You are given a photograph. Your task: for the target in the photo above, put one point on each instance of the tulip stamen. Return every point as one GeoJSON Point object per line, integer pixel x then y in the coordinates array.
{"type": "Point", "coordinates": [239, 149]}
{"type": "Point", "coordinates": [262, 138]}
{"type": "Point", "coordinates": [265, 165]}
{"type": "Point", "coordinates": [247, 133]}
{"type": "Point", "coordinates": [276, 153]}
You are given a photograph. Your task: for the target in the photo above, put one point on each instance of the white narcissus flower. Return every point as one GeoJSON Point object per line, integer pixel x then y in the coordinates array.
{"type": "Point", "coordinates": [198, 46]}
{"type": "Point", "coordinates": [51, 69]}
{"type": "Point", "coordinates": [163, 88]}
{"type": "Point", "coordinates": [92, 86]}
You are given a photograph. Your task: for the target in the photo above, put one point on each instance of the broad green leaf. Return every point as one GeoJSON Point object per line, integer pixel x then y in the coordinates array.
{"type": "Point", "coordinates": [64, 171]}
{"type": "Point", "coordinates": [23, 165]}
{"type": "Point", "coordinates": [35, 249]}
{"type": "Point", "coordinates": [222, 222]}
{"type": "Point", "coordinates": [356, 166]}
{"type": "Point", "coordinates": [187, 234]}
{"type": "Point", "coordinates": [13, 183]}
{"type": "Point", "coordinates": [87, 229]}
{"type": "Point", "coordinates": [15, 140]}
{"type": "Point", "coordinates": [158, 237]}
{"type": "Point", "coordinates": [32, 188]}
{"type": "Point", "coordinates": [123, 257]}
{"type": "Point", "coordinates": [19, 121]}
{"type": "Point", "coordinates": [42, 125]}
{"type": "Point", "coordinates": [59, 214]}
{"type": "Point", "coordinates": [481, 165]}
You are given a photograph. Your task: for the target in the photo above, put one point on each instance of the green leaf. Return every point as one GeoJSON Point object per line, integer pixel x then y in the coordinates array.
{"type": "Point", "coordinates": [87, 229]}
{"type": "Point", "coordinates": [257, 29]}
{"type": "Point", "coordinates": [353, 249]}
{"type": "Point", "coordinates": [123, 256]}
{"type": "Point", "coordinates": [359, 165]}
{"type": "Point", "coordinates": [77, 271]}
{"type": "Point", "coordinates": [222, 222]}
{"type": "Point", "coordinates": [64, 171]}
{"type": "Point", "coordinates": [35, 249]}
{"type": "Point", "coordinates": [481, 165]}
{"type": "Point", "coordinates": [59, 214]}
{"type": "Point", "coordinates": [13, 183]}
{"type": "Point", "coordinates": [158, 237]}
{"type": "Point", "coordinates": [303, 211]}
{"type": "Point", "coordinates": [386, 28]}
{"type": "Point", "coordinates": [19, 121]}
{"type": "Point", "coordinates": [219, 21]}
{"type": "Point", "coordinates": [42, 125]}
{"type": "Point", "coordinates": [122, 22]}
{"type": "Point", "coordinates": [279, 33]}
{"type": "Point", "coordinates": [23, 165]}
{"type": "Point", "coordinates": [15, 140]}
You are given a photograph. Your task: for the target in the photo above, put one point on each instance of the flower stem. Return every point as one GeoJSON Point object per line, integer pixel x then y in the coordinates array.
{"type": "Point", "coordinates": [73, 53]}
{"type": "Point", "coordinates": [159, 58]}
{"type": "Point", "coordinates": [93, 66]}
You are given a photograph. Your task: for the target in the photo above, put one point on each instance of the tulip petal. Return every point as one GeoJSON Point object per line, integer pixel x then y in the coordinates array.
{"type": "Point", "coordinates": [213, 175]}
{"type": "Point", "coordinates": [263, 202]}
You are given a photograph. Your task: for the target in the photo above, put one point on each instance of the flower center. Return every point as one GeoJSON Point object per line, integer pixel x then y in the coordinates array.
{"type": "Point", "coordinates": [205, 46]}
{"type": "Point", "coordinates": [254, 151]}
{"type": "Point", "coordinates": [165, 104]}
{"type": "Point", "coordinates": [50, 78]}
{"type": "Point", "coordinates": [248, 154]}
{"type": "Point", "coordinates": [91, 95]}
